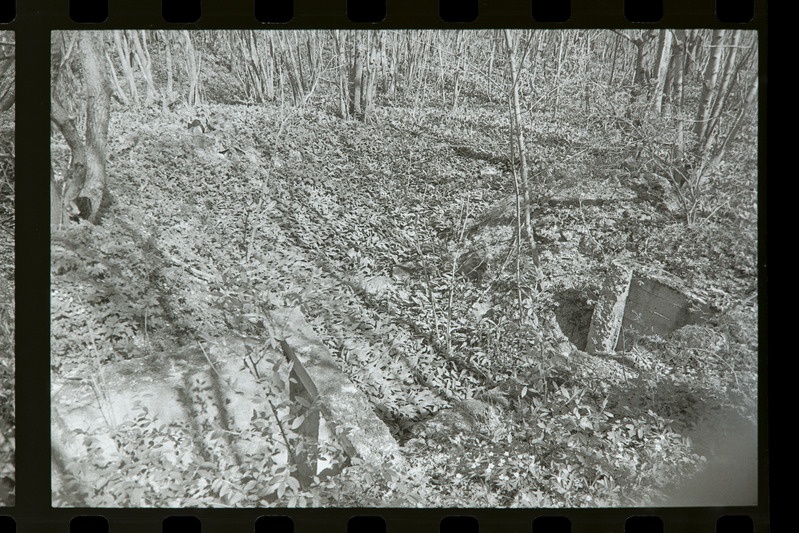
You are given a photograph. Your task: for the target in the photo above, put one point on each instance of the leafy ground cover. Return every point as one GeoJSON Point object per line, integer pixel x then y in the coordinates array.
{"type": "Point", "coordinates": [366, 228]}
{"type": "Point", "coordinates": [7, 424]}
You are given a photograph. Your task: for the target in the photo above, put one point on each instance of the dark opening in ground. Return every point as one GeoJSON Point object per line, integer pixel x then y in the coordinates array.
{"type": "Point", "coordinates": [574, 315]}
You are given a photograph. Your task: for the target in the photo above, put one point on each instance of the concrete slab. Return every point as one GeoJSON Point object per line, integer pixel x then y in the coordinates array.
{"type": "Point", "coordinates": [635, 301]}
{"type": "Point", "coordinates": [609, 311]}
{"type": "Point", "coordinates": [209, 389]}
{"type": "Point", "coordinates": [343, 405]}
{"type": "Point", "coordinates": [652, 307]}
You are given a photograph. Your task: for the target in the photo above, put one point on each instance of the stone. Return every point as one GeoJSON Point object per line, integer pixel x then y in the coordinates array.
{"type": "Point", "coordinates": [652, 307]}
{"type": "Point", "coordinates": [637, 301]}
{"type": "Point", "coordinates": [377, 285]}
{"type": "Point", "coordinates": [343, 405]}
{"type": "Point", "coordinates": [609, 311]}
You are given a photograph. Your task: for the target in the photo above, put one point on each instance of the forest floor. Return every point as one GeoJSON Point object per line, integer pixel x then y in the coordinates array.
{"type": "Point", "coordinates": [366, 228]}
{"type": "Point", "coordinates": [7, 416]}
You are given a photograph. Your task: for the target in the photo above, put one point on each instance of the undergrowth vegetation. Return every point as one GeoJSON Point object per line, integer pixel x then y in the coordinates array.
{"type": "Point", "coordinates": [195, 243]}
{"type": "Point", "coordinates": [394, 238]}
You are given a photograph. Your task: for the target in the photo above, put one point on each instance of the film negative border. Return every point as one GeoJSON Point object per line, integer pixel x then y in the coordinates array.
{"type": "Point", "coordinates": [32, 23]}
{"type": "Point", "coordinates": [207, 14]}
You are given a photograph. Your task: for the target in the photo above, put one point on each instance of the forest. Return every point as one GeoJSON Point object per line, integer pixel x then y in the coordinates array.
{"type": "Point", "coordinates": [443, 210]}
{"type": "Point", "coordinates": [7, 181]}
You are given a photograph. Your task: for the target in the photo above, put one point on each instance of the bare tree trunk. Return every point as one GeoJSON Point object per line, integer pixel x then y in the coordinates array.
{"type": "Point", "coordinates": [170, 78]}
{"type": "Point", "coordinates": [409, 63]}
{"type": "Point", "coordinates": [168, 95]}
{"type": "Point", "coordinates": [640, 78]}
{"type": "Point", "coordinates": [668, 89]}
{"type": "Point", "coordinates": [193, 67]}
{"type": "Point", "coordinates": [693, 53]}
{"type": "Point", "coordinates": [7, 75]}
{"type": "Point", "coordinates": [63, 196]}
{"type": "Point", "coordinates": [676, 101]}
{"type": "Point", "coordinates": [692, 162]}
{"type": "Point", "coordinates": [370, 74]}
{"type": "Point", "coordinates": [441, 62]}
{"type": "Point", "coordinates": [315, 50]}
{"type": "Point", "coordinates": [586, 61]}
{"type": "Point", "coordinates": [357, 76]}
{"type": "Point", "coordinates": [640, 63]}
{"type": "Point", "coordinates": [516, 127]}
{"type": "Point", "coordinates": [142, 56]}
{"type": "Point", "coordinates": [662, 71]}
{"type": "Point", "coordinates": [536, 57]}
{"type": "Point", "coordinates": [490, 77]}
{"type": "Point", "coordinates": [339, 46]}
{"type": "Point", "coordinates": [460, 65]}
{"type": "Point", "coordinates": [747, 107]}
{"type": "Point", "coordinates": [271, 66]}
{"type": "Point", "coordinates": [85, 179]}
{"type": "Point", "coordinates": [393, 66]}
{"type": "Point", "coordinates": [119, 92]}
{"type": "Point", "coordinates": [255, 69]}
{"type": "Point", "coordinates": [295, 67]}
{"type": "Point", "coordinates": [292, 67]}
{"type": "Point", "coordinates": [56, 205]}
{"type": "Point", "coordinates": [244, 69]}
{"type": "Point", "coordinates": [729, 72]}
{"type": "Point", "coordinates": [678, 75]}
{"type": "Point", "coordinates": [97, 115]}
{"type": "Point", "coordinates": [613, 61]}
{"type": "Point", "coordinates": [419, 65]}
{"type": "Point", "coordinates": [709, 88]}
{"type": "Point", "coordinates": [557, 77]}
{"type": "Point", "coordinates": [124, 54]}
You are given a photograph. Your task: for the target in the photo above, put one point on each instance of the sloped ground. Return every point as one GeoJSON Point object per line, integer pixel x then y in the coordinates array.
{"type": "Point", "coordinates": [205, 233]}
{"type": "Point", "coordinates": [198, 403]}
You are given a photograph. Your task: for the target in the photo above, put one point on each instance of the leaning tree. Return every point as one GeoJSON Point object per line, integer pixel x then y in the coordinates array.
{"type": "Point", "coordinates": [78, 61]}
